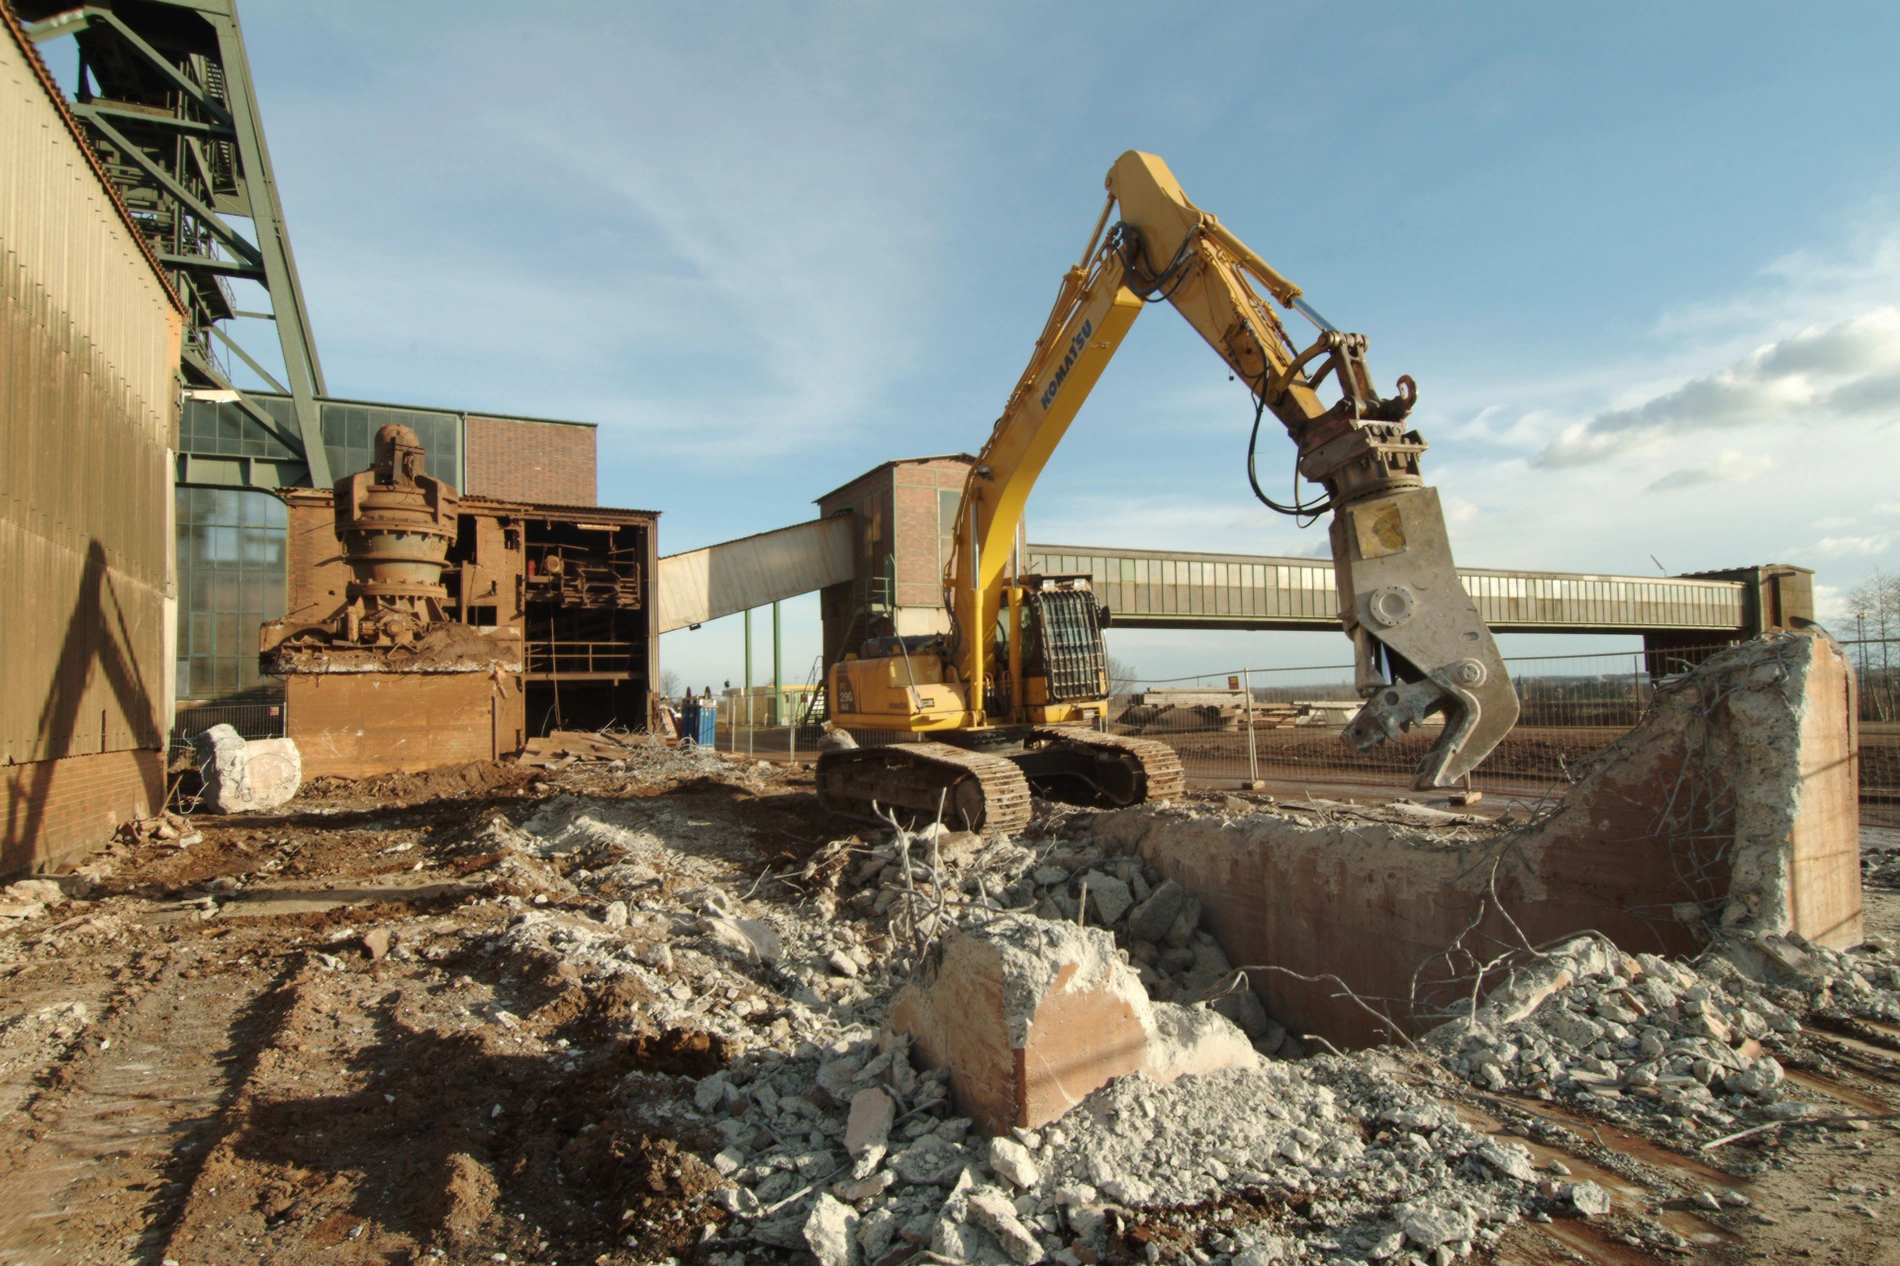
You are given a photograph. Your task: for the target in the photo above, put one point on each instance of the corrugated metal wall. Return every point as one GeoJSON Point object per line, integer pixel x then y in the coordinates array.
{"type": "Point", "coordinates": [88, 353]}
{"type": "Point", "coordinates": [733, 576]}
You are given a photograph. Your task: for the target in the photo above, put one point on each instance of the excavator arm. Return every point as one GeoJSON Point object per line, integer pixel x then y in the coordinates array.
{"type": "Point", "coordinates": [1420, 645]}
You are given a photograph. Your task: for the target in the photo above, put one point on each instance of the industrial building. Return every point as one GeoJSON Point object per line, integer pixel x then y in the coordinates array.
{"type": "Point", "coordinates": [233, 526]}
{"type": "Point", "coordinates": [155, 162]}
{"type": "Point", "coordinates": [556, 601]}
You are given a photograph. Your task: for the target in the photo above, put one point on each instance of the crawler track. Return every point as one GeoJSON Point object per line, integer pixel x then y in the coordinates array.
{"type": "Point", "coordinates": [975, 791]}
{"type": "Point", "coordinates": [1155, 768]}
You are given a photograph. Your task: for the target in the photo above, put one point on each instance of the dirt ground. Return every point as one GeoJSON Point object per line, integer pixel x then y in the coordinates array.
{"type": "Point", "coordinates": [300, 1037]}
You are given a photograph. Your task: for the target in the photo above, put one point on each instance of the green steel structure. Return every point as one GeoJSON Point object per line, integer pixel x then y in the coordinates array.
{"type": "Point", "coordinates": [163, 90]}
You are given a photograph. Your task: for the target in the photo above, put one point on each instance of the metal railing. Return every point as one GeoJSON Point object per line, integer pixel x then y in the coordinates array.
{"type": "Point", "coordinates": [579, 659]}
{"type": "Point", "coordinates": [256, 720]}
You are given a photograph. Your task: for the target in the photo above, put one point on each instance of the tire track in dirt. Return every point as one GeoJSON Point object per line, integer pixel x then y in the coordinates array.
{"type": "Point", "coordinates": [132, 1120]}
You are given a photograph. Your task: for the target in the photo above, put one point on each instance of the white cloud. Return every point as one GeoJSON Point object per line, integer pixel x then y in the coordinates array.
{"type": "Point", "coordinates": [1847, 371]}
{"type": "Point", "coordinates": [1214, 526]}
{"type": "Point", "coordinates": [1731, 466]}
{"type": "Point", "coordinates": [1870, 545]}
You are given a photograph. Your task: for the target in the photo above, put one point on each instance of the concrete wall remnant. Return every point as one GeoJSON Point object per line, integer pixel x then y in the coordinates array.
{"type": "Point", "coordinates": [1733, 805]}
{"type": "Point", "coordinates": [1031, 1016]}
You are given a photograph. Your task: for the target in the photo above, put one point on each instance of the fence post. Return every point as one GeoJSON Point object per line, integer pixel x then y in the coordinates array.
{"type": "Point", "coordinates": [1253, 751]}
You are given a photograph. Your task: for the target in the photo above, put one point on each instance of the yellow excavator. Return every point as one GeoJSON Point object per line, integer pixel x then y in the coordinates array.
{"type": "Point", "coordinates": [1011, 696]}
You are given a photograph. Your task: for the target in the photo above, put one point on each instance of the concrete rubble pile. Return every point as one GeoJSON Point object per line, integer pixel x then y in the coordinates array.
{"type": "Point", "coordinates": [1688, 1048]}
{"type": "Point", "coordinates": [1060, 875]}
{"type": "Point", "coordinates": [837, 1137]}
{"type": "Point", "coordinates": [634, 762]}
{"type": "Point", "coordinates": [1880, 867]}
{"type": "Point", "coordinates": [27, 899]}
{"type": "Point", "coordinates": [850, 1152]}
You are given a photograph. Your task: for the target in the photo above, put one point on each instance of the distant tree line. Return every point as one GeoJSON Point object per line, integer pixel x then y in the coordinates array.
{"type": "Point", "coordinates": [1874, 607]}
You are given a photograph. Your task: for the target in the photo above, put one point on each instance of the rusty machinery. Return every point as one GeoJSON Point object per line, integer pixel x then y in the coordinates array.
{"type": "Point", "coordinates": [396, 524]}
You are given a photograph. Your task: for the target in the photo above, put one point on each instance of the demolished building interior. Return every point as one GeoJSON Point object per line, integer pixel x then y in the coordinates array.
{"type": "Point", "coordinates": [464, 954]}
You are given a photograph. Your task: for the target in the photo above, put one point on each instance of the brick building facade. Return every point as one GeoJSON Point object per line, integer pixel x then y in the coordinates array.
{"type": "Point", "coordinates": [520, 459]}
{"type": "Point", "coordinates": [904, 513]}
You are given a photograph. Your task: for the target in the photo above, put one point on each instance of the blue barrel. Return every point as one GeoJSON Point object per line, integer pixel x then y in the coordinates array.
{"type": "Point", "coordinates": [697, 719]}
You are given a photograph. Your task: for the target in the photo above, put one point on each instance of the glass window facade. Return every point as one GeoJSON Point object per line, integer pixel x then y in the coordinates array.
{"type": "Point", "coordinates": [349, 433]}
{"type": "Point", "coordinates": [226, 430]}
{"type": "Point", "coordinates": [230, 581]}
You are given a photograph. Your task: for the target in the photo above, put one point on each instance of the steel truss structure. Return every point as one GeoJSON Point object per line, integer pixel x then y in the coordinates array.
{"type": "Point", "coordinates": [163, 90]}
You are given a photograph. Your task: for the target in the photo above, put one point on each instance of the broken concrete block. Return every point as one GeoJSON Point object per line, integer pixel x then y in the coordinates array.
{"type": "Point", "coordinates": [868, 1128]}
{"type": "Point", "coordinates": [243, 776]}
{"type": "Point", "coordinates": [1428, 1225]}
{"type": "Point", "coordinates": [1513, 1160]}
{"type": "Point", "coordinates": [831, 1232]}
{"type": "Point", "coordinates": [993, 1211]}
{"type": "Point", "coordinates": [749, 937]}
{"type": "Point", "coordinates": [1031, 1016]}
{"type": "Point", "coordinates": [1587, 1198]}
{"type": "Point", "coordinates": [1013, 1163]}
{"type": "Point", "coordinates": [957, 1236]}
{"type": "Point", "coordinates": [1152, 919]}
{"type": "Point", "coordinates": [45, 891]}
{"type": "Point", "coordinates": [1270, 1250]}
{"type": "Point", "coordinates": [876, 1230]}
{"type": "Point", "coordinates": [862, 1189]}
{"type": "Point", "coordinates": [1108, 895]}
{"type": "Point", "coordinates": [711, 1090]}
{"type": "Point", "coordinates": [1190, 1040]}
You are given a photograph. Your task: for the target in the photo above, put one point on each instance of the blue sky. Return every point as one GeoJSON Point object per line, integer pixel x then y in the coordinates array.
{"type": "Point", "coordinates": [1643, 260]}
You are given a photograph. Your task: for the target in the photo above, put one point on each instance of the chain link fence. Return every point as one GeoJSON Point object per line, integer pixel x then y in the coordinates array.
{"type": "Point", "coordinates": [1877, 667]}
{"type": "Point", "coordinates": [1284, 726]}
{"type": "Point", "coordinates": [257, 719]}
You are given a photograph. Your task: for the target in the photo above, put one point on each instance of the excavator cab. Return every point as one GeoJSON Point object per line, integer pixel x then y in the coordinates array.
{"type": "Point", "coordinates": [1064, 659]}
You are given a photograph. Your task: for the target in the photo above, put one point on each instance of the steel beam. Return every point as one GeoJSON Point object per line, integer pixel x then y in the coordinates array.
{"type": "Point", "coordinates": [301, 365]}
{"type": "Point", "coordinates": [221, 267]}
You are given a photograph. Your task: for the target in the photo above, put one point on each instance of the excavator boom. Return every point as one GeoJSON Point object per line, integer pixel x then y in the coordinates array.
{"type": "Point", "coordinates": [1420, 645]}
